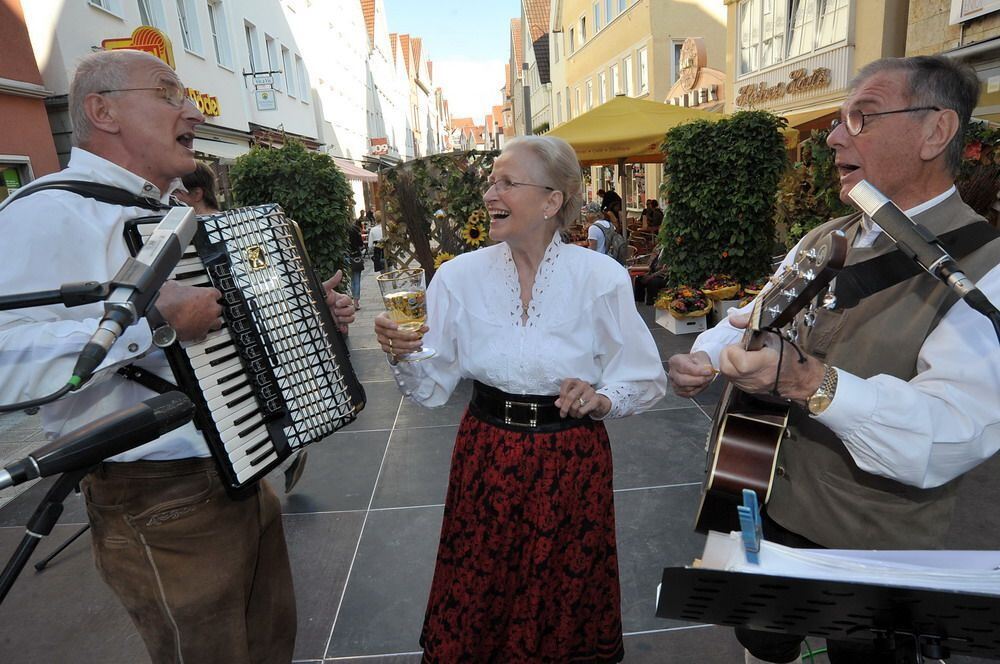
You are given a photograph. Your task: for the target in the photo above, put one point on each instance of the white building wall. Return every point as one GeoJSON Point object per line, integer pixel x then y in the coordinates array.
{"type": "Point", "coordinates": [386, 98]}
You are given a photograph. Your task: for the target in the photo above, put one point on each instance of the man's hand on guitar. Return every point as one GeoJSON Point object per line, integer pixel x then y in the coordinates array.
{"type": "Point", "coordinates": [753, 371]}
{"type": "Point", "coordinates": [690, 373]}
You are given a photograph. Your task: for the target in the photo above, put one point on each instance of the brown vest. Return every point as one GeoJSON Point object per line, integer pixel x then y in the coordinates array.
{"type": "Point", "coordinates": [819, 492]}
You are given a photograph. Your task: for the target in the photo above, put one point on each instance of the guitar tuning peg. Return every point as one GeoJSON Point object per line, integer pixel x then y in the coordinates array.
{"type": "Point", "coordinates": [790, 293]}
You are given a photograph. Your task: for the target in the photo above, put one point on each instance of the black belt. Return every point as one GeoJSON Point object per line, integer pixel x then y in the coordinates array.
{"type": "Point", "coordinates": [520, 411]}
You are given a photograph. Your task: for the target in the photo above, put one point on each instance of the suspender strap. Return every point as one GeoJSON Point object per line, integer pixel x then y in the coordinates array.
{"type": "Point", "coordinates": [101, 192]}
{"type": "Point", "coordinates": [861, 280]}
{"type": "Point", "coordinates": [147, 379]}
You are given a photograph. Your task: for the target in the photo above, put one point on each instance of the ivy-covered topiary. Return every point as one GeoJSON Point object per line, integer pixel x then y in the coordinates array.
{"type": "Point", "coordinates": [721, 179]}
{"type": "Point", "coordinates": [310, 189]}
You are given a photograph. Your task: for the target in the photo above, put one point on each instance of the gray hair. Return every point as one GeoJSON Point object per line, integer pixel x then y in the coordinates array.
{"type": "Point", "coordinates": [560, 165]}
{"type": "Point", "coordinates": [934, 80]}
{"type": "Point", "coordinates": [103, 70]}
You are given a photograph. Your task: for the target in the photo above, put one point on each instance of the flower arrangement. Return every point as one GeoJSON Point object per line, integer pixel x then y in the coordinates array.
{"type": "Point", "coordinates": [754, 286]}
{"type": "Point", "coordinates": [683, 302]}
{"type": "Point", "coordinates": [442, 258]}
{"type": "Point", "coordinates": [720, 287]}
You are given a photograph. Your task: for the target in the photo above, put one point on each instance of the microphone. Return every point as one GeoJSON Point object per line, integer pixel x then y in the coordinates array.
{"type": "Point", "coordinates": [919, 244]}
{"type": "Point", "coordinates": [102, 438]}
{"type": "Point", "coordinates": [136, 286]}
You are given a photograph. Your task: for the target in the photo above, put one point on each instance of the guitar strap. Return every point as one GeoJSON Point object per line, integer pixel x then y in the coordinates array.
{"type": "Point", "coordinates": [861, 280]}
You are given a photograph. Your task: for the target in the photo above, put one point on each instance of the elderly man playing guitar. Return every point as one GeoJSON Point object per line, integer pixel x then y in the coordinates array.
{"type": "Point", "coordinates": [891, 400]}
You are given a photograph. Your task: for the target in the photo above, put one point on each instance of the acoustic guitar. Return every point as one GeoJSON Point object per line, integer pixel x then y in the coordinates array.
{"type": "Point", "coordinates": [747, 429]}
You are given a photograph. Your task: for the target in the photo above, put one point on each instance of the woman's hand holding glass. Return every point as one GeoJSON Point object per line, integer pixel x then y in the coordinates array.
{"type": "Point", "coordinates": [396, 341]}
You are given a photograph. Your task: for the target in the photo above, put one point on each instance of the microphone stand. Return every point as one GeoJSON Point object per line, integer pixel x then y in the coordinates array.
{"type": "Point", "coordinates": [39, 525]}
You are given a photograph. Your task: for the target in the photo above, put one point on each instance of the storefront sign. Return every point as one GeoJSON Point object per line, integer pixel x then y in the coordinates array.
{"type": "Point", "coordinates": [692, 59]}
{"type": "Point", "coordinates": [379, 146]}
{"type": "Point", "coordinates": [266, 101]}
{"type": "Point", "coordinates": [262, 80]}
{"type": "Point", "coordinates": [207, 104]}
{"type": "Point", "coordinates": [757, 93]}
{"type": "Point", "coordinates": [147, 39]}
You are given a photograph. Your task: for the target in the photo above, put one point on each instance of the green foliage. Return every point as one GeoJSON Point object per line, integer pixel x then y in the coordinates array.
{"type": "Point", "coordinates": [445, 188]}
{"type": "Point", "coordinates": [809, 193]}
{"type": "Point", "coordinates": [310, 189]}
{"type": "Point", "coordinates": [721, 178]}
{"type": "Point", "coordinates": [541, 128]}
{"type": "Point", "coordinates": [979, 175]}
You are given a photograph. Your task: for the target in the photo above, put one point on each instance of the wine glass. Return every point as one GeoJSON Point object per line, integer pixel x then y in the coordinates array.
{"type": "Point", "coordinates": [405, 295]}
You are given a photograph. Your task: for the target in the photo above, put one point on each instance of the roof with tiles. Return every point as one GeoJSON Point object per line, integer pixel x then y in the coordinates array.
{"type": "Point", "coordinates": [368, 9]}
{"type": "Point", "coordinates": [393, 40]}
{"type": "Point", "coordinates": [416, 43]}
{"type": "Point", "coordinates": [537, 14]}
{"type": "Point", "coordinates": [498, 115]}
{"type": "Point", "coordinates": [404, 43]}
{"type": "Point", "coordinates": [515, 38]}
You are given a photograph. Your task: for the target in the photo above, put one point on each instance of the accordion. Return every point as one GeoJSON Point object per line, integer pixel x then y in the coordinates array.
{"type": "Point", "coordinates": [277, 376]}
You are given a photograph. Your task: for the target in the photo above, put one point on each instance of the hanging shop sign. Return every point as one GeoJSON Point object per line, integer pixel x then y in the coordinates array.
{"type": "Point", "coordinates": [146, 39]}
{"type": "Point", "coordinates": [693, 58]}
{"type": "Point", "coordinates": [756, 94]}
{"type": "Point", "coordinates": [379, 146]}
{"type": "Point", "coordinates": [266, 101]}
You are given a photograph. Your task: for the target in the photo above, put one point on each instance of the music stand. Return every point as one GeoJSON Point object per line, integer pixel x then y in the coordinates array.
{"type": "Point", "coordinates": [942, 622]}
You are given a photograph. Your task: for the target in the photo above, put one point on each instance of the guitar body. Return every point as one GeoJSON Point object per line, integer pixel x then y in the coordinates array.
{"type": "Point", "coordinates": [743, 453]}
{"type": "Point", "coordinates": [747, 429]}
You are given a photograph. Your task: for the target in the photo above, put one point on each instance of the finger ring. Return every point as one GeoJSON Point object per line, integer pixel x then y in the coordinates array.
{"type": "Point", "coordinates": [390, 344]}
{"type": "Point", "coordinates": [582, 402]}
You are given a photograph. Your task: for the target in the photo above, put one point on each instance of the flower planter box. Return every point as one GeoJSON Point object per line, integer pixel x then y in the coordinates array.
{"type": "Point", "coordinates": [720, 310]}
{"type": "Point", "coordinates": [680, 325]}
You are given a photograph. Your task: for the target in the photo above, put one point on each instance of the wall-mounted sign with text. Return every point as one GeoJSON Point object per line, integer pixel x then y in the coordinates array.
{"type": "Point", "coordinates": [757, 94]}
{"type": "Point", "coordinates": [379, 146]}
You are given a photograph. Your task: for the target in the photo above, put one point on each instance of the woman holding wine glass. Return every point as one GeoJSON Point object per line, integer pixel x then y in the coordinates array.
{"type": "Point", "coordinates": [527, 565]}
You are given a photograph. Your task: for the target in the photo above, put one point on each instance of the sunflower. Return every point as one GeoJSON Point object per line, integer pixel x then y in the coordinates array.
{"type": "Point", "coordinates": [473, 234]}
{"type": "Point", "coordinates": [442, 258]}
{"type": "Point", "coordinates": [478, 217]}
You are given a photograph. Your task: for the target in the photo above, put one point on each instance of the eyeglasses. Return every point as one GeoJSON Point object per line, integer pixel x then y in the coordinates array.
{"type": "Point", "coordinates": [174, 94]}
{"type": "Point", "coordinates": [855, 121]}
{"type": "Point", "coordinates": [504, 185]}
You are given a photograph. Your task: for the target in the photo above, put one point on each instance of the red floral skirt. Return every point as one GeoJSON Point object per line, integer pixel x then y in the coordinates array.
{"type": "Point", "coordinates": [527, 567]}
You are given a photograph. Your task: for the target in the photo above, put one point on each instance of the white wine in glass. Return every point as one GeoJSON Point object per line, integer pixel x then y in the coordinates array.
{"type": "Point", "coordinates": [405, 297]}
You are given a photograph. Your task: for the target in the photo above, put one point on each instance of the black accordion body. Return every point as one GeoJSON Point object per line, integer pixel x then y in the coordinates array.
{"type": "Point", "coordinates": [277, 376]}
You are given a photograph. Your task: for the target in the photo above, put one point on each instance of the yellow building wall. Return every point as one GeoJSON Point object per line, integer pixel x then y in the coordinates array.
{"type": "Point", "coordinates": [929, 32]}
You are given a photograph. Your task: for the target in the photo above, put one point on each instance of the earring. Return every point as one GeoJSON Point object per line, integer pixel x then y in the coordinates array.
{"type": "Point", "coordinates": [545, 217]}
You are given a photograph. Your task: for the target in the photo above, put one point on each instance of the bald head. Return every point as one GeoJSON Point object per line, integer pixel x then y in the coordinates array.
{"type": "Point", "coordinates": [103, 70]}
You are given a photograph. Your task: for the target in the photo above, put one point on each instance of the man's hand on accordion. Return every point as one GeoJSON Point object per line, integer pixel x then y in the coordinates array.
{"type": "Point", "coordinates": [341, 305]}
{"type": "Point", "coordinates": [193, 311]}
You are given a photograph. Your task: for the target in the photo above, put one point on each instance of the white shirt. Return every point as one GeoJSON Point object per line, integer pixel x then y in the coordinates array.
{"type": "Point", "coordinates": [595, 233]}
{"type": "Point", "coordinates": [582, 323]}
{"type": "Point", "coordinates": [933, 428]}
{"type": "Point", "coordinates": [54, 237]}
{"type": "Point", "coordinates": [375, 235]}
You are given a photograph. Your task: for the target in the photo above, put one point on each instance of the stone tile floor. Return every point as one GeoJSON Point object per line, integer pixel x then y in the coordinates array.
{"type": "Point", "coordinates": [362, 528]}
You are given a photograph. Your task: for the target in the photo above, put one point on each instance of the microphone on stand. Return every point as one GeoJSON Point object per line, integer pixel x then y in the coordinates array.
{"type": "Point", "coordinates": [136, 286]}
{"type": "Point", "coordinates": [918, 244]}
{"type": "Point", "coordinates": [110, 435]}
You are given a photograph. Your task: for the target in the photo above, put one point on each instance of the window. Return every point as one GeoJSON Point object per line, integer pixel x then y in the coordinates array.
{"type": "Point", "coordinates": [300, 73]}
{"type": "Point", "coordinates": [583, 31]}
{"type": "Point", "coordinates": [569, 110]}
{"type": "Point", "coordinates": [253, 48]}
{"type": "Point", "coordinates": [675, 63]}
{"type": "Point", "coordinates": [801, 27]}
{"type": "Point", "coordinates": [622, 5]}
{"type": "Point", "coordinates": [273, 64]}
{"type": "Point", "coordinates": [597, 17]}
{"type": "Point", "coordinates": [555, 50]}
{"type": "Point", "coordinates": [607, 11]}
{"type": "Point", "coordinates": [220, 33]}
{"type": "Point", "coordinates": [558, 107]}
{"type": "Point", "coordinates": [572, 41]}
{"type": "Point", "coordinates": [189, 25]}
{"type": "Point", "coordinates": [614, 80]}
{"type": "Point", "coordinates": [643, 71]}
{"type": "Point", "coordinates": [832, 25]}
{"type": "Point", "coordinates": [107, 5]}
{"type": "Point", "coordinates": [286, 63]}
{"type": "Point", "coordinates": [579, 108]}
{"type": "Point", "coordinates": [602, 87]}
{"type": "Point", "coordinates": [590, 93]}
{"type": "Point", "coordinates": [151, 13]}
{"type": "Point", "coordinates": [629, 77]}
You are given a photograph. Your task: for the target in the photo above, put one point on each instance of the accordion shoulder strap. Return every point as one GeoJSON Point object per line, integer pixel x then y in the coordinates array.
{"type": "Point", "coordinates": [101, 192]}
{"type": "Point", "coordinates": [147, 379]}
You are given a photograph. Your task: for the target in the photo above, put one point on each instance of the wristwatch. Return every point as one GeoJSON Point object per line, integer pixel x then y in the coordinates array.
{"type": "Point", "coordinates": [823, 396]}
{"type": "Point", "coordinates": [163, 334]}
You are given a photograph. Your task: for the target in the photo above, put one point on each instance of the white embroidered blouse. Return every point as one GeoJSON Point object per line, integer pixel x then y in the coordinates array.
{"type": "Point", "coordinates": [582, 323]}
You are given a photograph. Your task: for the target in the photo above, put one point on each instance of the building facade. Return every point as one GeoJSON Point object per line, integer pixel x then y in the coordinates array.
{"type": "Point", "coordinates": [27, 150]}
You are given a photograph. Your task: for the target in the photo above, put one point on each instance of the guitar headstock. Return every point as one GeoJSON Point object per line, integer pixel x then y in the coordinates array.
{"type": "Point", "coordinates": [800, 282]}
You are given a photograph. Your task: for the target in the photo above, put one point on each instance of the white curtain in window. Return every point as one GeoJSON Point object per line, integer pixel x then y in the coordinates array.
{"type": "Point", "coordinates": [802, 25]}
